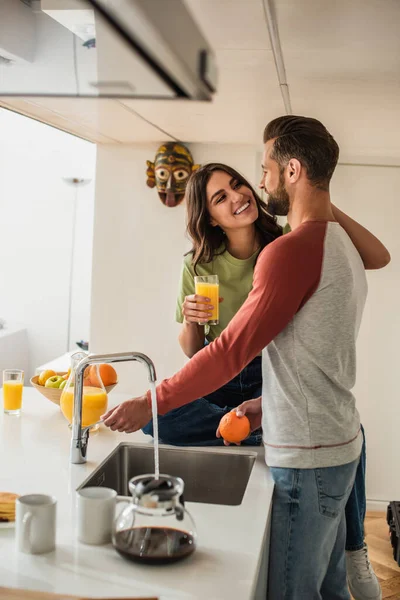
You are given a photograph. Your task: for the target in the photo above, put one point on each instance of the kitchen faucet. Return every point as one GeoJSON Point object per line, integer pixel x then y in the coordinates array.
{"type": "Point", "coordinates": [80, 437]}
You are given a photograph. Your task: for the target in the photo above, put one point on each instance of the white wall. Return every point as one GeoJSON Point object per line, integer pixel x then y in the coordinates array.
{"type": "Point", "coordinates": [371, 195]}
{"type": "Point", "coordinates": [36, 211]}
{"type": "Point", "coordinates": [137, 256]}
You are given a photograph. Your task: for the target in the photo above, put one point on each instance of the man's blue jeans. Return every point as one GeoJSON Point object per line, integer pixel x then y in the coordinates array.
{"type": "Point", "coordinates": [308, 532]}
{"type": "Point", "coordinates": [195, 424]}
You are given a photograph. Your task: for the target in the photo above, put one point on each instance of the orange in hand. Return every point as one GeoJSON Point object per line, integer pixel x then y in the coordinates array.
{"type": "Point", "coordinates": [234, 429]}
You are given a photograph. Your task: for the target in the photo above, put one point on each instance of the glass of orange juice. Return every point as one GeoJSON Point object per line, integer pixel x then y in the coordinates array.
{"type": "Point", "coordinates": [208, 286]}
{"type": "Point", "coordinates": [13, 384]}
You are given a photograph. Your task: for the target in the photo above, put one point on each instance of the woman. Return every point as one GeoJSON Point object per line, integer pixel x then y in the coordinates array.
{"type": "Point", "coordinates": [229, 225]}
{"type": "Point", "coordinates": [224, 244]}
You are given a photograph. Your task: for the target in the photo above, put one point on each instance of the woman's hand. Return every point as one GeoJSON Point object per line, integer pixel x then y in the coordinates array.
{"type": "Point", "coordinates": [197, 309]}
{"type": "Point", "coordinates": [253, 411]}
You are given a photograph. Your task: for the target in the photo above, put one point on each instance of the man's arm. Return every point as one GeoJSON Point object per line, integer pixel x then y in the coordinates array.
{"type": "Point", "coordinates": [287, 273]}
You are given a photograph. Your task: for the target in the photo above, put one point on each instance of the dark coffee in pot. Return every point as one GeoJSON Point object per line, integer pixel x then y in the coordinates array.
{"type": "Point", "coordinates": [154, 545]}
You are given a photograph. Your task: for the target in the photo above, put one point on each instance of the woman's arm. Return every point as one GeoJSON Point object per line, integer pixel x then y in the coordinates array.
{"type": "Point", "coordinates": [189, 312]}
{"type": "Point", "coordinates": [191, 338]}
{"type": "Point", "coordinates": [373, 253]}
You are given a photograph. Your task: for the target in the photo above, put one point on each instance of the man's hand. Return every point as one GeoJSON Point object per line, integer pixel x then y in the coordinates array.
{"type": "Point", "coordinates": [253, 411]}
{"type": "Point", "coordinates": [130, 416]}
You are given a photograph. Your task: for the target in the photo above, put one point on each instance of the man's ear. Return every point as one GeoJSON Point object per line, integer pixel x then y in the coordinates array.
{"type": "Point", "coordinates": [293, 170]}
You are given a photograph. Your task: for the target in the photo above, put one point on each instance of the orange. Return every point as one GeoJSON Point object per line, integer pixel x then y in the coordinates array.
{"type": "Point", "coordinates": [108, 375]}
{"type": "Point", "coordinates": [44, 376]}
{"type": "Point", "coordinates": [234, 429]}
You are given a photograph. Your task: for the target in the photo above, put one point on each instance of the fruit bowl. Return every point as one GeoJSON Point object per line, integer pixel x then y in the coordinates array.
{"type": "Point", "coordinates": [54, 394]}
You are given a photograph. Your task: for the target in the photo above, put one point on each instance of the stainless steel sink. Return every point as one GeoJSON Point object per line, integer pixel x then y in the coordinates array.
{"type": "Point", "coordinates": [210, 476]}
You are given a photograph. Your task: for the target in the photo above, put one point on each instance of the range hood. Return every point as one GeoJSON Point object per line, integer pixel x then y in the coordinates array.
{"type": "Point", "coordinates": [104, 48]}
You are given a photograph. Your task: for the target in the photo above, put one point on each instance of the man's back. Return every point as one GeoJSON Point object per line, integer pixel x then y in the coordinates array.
{"type": "Point", "coordinates": [310, 419]}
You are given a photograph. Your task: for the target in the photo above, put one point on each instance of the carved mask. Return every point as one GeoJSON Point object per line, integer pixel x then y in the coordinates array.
{"type": "Point", "coordinates": [170, 172]}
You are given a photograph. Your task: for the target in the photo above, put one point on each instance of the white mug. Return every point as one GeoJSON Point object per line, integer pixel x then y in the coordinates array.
{"type": "Point", "coordinates": [36, 523]}
{"type": "Point", "coordinates": [96, 511]}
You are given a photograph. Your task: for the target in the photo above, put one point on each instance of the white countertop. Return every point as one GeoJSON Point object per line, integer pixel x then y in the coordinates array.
{"type": "Point", "coordinates": [34, 458]}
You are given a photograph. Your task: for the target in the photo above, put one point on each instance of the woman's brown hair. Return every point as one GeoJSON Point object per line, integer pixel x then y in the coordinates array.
{"type": "Point", "coordinates": [208, 240]}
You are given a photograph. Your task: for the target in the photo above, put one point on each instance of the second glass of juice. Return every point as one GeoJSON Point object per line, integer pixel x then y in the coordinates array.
{"type": "Point", "coordinates": [208, 286]}
{"type": "Point", "coordinates": [13, 385]}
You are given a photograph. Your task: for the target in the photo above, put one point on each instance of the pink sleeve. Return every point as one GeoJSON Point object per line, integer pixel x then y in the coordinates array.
{"type": "Point", "coordinates": [287, 273]}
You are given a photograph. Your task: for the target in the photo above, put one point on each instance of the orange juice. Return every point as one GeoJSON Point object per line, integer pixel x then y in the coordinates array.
{"type": "Point", "coordinates": [210, 290]}
{"type": "Point", "coordinates": [12, 395]}
{"type": "Point", "coordinates": [94, 404]}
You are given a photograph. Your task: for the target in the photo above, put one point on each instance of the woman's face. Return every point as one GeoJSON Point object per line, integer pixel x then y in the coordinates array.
{"type": "Point", "coordinates": [231, 205]}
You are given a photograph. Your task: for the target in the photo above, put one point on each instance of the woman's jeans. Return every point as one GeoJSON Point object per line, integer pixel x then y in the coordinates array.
{"type": "Point", "coordinates": [196, 423]}
{"type": "Point", "coordinates": [356, 505]}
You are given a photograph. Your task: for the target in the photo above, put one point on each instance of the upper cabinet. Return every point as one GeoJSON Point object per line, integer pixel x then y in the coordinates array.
{"type": "Point", "coordinates": [104, 48]}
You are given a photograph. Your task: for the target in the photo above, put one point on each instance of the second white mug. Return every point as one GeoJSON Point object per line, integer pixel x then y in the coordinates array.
{"type": "Point", "coordinates": [96, 511]}
{"type": "Point", "coordinates": [36, 523]}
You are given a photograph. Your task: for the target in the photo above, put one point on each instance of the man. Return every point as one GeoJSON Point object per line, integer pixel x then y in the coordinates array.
{"type": "Point", "coordinates": [304, 313]}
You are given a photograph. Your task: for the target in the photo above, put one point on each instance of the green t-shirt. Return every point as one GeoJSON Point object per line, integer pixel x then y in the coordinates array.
{"type": "Point", "coordinates": [235, 283]}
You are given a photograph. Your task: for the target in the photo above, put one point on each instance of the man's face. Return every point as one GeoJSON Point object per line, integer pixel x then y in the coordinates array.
{"type": "Point", "coordinates": [273, 182]}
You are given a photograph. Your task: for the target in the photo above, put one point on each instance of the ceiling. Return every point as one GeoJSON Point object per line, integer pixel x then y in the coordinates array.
{"type": "Point", "coordinates": [342, 64]}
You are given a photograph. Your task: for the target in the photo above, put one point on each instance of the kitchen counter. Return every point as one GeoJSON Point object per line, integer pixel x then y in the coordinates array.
{"type": "Point", "coordinates": [34, 458]}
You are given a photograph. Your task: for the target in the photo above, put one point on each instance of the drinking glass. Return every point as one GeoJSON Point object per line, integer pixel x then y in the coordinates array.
{"type": "Point", "coordinates": [13, 384]}
{"type": "Point", "coordinates": [208, 286]}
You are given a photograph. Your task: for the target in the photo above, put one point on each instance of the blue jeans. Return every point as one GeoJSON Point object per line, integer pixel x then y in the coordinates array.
{"type": "Point", "coordinates": [196, 423]}
{"type": "Point", "coordinates": [356, 505]}
{"type": "Point", "coordinates": [308, 533]}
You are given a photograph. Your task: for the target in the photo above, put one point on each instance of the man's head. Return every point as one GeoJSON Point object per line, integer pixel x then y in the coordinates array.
{"type": "Point", "coordinates": [297, 150]}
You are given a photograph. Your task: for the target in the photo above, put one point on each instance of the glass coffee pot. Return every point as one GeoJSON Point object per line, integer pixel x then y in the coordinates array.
{"type": "Point", "coordinates": [155, 527]}
{"type": "Point", "coordinates": [94, 398]}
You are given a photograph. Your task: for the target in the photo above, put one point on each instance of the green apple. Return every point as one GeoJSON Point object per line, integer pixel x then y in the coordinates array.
{"type": "Point", "coordinates": [63, 384]}
{"type": "Point", "coordinates": [54, 382]}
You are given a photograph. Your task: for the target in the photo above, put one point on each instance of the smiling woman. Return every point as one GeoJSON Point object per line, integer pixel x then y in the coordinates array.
{"type": "Point", "coordinates": [214, 194]}
{"type": "Point", "coordinates": [229, 226]}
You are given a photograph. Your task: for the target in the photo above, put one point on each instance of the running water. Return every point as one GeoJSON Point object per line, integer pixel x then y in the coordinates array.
{"type": "Point", "coordinates": [155, 428]}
